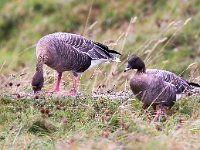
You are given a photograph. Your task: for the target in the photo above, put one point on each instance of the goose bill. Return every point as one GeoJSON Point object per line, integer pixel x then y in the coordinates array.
{"type": "Point", "coordinates": [126, 69]}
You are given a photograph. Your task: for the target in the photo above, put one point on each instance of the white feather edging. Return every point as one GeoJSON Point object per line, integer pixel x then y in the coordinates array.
{"type": "Point", "coordinates": [116, 59]}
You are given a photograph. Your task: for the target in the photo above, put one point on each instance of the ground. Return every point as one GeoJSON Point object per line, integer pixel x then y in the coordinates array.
{"type": "Point", "coordinates": [105, 114]}
{"type": "Point", "coordinates": [93, 121]}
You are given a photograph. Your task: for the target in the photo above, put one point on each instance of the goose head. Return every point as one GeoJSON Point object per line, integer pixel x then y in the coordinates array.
{"type": "Point", "coordinates": [37, 82]}
{"type": "Point", "coordinates": [135, 62]}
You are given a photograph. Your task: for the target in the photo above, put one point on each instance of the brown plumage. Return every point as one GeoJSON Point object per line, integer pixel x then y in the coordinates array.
{"type": "Point", "coordinates": [156, 87]}
{"type": "Point", "coordinates": [68, 52]}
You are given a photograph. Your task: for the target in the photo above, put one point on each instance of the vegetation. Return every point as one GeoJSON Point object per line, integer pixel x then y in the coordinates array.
{"type": "Point", "coordinates": [164, 33]}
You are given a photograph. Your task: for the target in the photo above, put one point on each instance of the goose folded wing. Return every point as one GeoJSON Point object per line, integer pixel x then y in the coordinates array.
{"type": "Point", "coordinates": [93, 49]}
{"type": "Point", "coordinates": [172, 78]}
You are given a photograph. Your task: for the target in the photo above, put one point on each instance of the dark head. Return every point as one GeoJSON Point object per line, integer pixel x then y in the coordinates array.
{"type": "Point", "coordinates": [37, 82]}
{"type": "Point", "coordinates": [135, 62]}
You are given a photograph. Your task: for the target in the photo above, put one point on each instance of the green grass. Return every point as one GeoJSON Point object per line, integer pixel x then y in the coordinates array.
{"type": "Point", "coordinates": [163, 35]}
{"type": "Point", "coordinates": [28, 123]}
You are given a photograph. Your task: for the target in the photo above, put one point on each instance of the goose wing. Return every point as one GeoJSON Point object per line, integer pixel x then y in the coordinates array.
{"type": "Point", "coordinates": [163, 91]}
{"type": "Point", "coordinates": [93, 49]}
{"type": "Point", "coordinates": [180, 84]}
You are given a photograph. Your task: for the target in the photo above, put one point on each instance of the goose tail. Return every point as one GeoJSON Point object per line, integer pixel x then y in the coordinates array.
{"type": "Point", "coordinates": [116, 59]}
{"type": "Point", "coordinates": [194, 84]}
{"type": "Point", "coordinates": [195, 89]}
{"type": "Point", "coordinates": [108, 52]}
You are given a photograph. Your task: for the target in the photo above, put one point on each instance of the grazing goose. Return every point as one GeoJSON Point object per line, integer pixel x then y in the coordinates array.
{"type": "Point", "coordinates": [156, 87]}
{"type": "Point", "coordinates": [68, 52]}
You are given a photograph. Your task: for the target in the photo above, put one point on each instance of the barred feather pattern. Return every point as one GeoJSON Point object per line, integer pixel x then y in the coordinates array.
{"type": "Point", "coordinates": [180, 84]}
{"type": "Point", "coordinates": [151, 90]}
{"type": "Point", "coordinates": [66, 52]}
{"type": "Point", "coordinates": [153, 86]}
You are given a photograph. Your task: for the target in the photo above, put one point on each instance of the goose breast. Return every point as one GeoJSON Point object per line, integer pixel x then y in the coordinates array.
{"type": "Point", "coordinates": [152, 89]}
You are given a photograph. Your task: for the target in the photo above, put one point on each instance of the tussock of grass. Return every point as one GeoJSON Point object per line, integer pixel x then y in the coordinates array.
{"type": "Point", "coordinates": [164, 33]}
{"type": "Point", "coordinates": [72, 123]}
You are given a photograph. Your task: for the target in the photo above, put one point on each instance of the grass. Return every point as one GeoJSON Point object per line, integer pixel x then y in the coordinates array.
{"type": "Point", "coordinates": [88, 122]}
{"type": "Point", "coordinates": [165, 34]}
{"type": "Point", "coordinates": [98, 123]}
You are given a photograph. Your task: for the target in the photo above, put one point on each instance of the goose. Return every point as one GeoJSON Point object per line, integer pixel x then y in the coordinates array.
{"type": "Point", "coordinates": [68, 52]}
{"type": "Point", "coordinates": [156, 87]}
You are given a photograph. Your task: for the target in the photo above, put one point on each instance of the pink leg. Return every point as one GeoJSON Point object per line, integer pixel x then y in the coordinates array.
{"type": "Point", "coordinates": [57, 84]}
{"type": "Point", "coordinates": [74, 86]}
{"type": "Point", "coordinates": [159, 111]}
